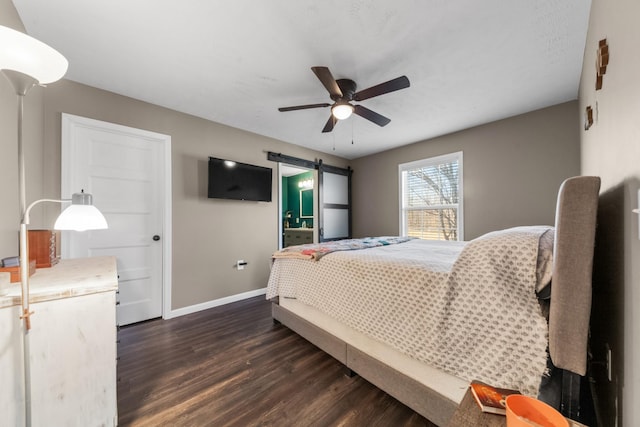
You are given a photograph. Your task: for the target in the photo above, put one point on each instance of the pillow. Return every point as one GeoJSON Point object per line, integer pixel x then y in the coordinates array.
{"type": "Point", "coordinates": [544, 262]}
{"type": "Point", "coordinates": [544, 266]}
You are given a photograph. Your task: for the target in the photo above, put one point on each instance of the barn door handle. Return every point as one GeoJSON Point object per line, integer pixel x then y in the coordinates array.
{"type": "Point", "coordinates": [156, 237]}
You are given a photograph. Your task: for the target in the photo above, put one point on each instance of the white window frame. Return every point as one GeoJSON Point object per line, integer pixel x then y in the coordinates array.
{"type": "Point", "coordinates": [432, 161]}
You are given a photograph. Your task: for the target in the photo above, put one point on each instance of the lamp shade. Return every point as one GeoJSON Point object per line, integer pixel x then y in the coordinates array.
{"type": "Point", "coordinates": [342, 111]}
{"type": "Point", "coordinates": [22, 53]}
{"type": "Point", "coordinates": [81, 215]}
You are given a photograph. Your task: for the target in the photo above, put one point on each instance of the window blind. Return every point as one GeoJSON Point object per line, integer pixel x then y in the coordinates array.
{"type": "Point", "coordinates": [431, 198]}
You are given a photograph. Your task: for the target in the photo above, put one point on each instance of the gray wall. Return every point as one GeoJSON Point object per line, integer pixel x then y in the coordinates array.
{"type": "Point", "coordinates": [611, 149]}
{"type": "Point", "coordinates": [209, 235]}
{"type": "Point", "coordinates": [512, 171]}
{"type": "Point", "coordinates": [33, 145]}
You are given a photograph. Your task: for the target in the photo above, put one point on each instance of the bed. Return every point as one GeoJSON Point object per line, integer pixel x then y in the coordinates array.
{"type": "Point", "coordinates": [420, 320]}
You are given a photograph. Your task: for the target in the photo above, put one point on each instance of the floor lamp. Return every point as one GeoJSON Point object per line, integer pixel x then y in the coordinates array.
{"type": "Point", "coordinates": [27, 62]}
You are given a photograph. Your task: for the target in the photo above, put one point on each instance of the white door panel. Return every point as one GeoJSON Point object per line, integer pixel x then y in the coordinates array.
{"type": "Point", "coordinates": [336, 223]}
{"type": "Point", "coordinates": [335, 203]}
{"type": "Point", "coordinates": [123, 168]}
{"type": "Point", "coordinates": [336, 189]}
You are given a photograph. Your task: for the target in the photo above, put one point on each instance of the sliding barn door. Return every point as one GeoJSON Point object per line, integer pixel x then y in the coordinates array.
{"type": "Point", "coordinates": [334, 196]}
{"type": "Point", "coordinates": [334, 203]}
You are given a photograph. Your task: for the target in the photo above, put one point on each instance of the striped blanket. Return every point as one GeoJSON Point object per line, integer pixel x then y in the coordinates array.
{"type": "Point", "coordinates": [316, 251]}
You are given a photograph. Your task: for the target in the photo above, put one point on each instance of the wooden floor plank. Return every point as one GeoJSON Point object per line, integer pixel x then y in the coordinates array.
{"type": "Point", "coordinates": [232, 366]}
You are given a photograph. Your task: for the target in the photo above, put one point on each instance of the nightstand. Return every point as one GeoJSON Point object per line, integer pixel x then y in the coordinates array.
{"type": "Point", "coordinates": [469, 414]}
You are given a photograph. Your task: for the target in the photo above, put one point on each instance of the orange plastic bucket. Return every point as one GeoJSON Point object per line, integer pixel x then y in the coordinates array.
{"type": "Point", "coordinates": [525, 411]}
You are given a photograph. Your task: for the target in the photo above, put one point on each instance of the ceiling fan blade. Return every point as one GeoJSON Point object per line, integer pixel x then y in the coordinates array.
{"type": "Point", "coordinates": [303, 107]}
{"type": "Point", "coordinates": [372, 116]}
{"type": "Point", "coordinates": [330, 124]}
{"type": "Point", "coordinates": [325, 77]}
{"type": "Point", "coordinates": [386, 87]}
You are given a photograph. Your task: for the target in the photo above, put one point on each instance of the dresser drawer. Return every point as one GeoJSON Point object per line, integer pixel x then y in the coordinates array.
{"type": "Point", "coordinates": [298, 237]}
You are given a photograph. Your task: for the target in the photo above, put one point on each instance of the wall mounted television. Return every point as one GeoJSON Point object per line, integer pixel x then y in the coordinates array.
{"type": "Point", "coordinates": [238, 181]}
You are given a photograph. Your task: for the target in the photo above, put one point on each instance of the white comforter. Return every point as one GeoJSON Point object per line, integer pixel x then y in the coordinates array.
{"type": "Point", "coordinates": [466, 308]}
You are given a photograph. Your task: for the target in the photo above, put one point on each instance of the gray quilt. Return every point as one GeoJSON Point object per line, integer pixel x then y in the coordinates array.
{"type": "Point", "coordinates": [468, 309]}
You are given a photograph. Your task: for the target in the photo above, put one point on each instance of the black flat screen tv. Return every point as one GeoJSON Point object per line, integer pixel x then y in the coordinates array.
{"type": "Point", "coordinates": [238, 181]}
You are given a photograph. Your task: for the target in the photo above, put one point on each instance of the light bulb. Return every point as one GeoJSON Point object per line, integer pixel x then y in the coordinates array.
{"type": "Point", "coordinates": [342, 111]}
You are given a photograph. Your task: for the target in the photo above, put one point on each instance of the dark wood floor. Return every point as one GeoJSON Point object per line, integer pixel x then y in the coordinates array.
{"type": "Point", "coordinates": [231, 365]}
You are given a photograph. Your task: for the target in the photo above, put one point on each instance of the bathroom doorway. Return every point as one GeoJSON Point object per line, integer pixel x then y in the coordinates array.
{"type": "Point", "coordinates": [298, 207]}
{"type": "Point", "coordinates": [330, 198]}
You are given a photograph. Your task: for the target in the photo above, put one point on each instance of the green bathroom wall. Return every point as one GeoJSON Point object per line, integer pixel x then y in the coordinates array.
{"type": "Point", "coordinates": [291, 198]}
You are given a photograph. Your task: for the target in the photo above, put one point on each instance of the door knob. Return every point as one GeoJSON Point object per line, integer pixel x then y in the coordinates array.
{"type": "Point", "coordinates": [156, 237]}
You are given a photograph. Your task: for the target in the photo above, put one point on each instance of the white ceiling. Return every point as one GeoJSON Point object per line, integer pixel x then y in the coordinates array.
{"type": "Point", "coordinates": [235, 62]}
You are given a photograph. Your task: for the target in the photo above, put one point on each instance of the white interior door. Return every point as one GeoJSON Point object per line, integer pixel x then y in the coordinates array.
{"type": "Point", "coordinates": [126, 170]}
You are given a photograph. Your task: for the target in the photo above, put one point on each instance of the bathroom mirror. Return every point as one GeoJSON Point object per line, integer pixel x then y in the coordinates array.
{"type": "Point", "coordinates": [306, 203]}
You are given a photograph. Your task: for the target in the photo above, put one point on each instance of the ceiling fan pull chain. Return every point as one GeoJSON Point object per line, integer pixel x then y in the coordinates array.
{"type": "Point", "coordinates": [352, 126]}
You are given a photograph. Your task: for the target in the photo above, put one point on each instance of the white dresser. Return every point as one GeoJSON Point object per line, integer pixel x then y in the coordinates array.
{"type": "Point", "coordinates": [73, 346]}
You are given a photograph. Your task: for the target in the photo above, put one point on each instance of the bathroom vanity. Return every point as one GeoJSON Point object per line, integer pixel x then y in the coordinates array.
{"type": "Point", "coordinates": [297, 236]}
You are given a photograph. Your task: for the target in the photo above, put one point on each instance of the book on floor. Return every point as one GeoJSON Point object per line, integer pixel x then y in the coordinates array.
{"type": "Point", "coordinates": [489, 398]}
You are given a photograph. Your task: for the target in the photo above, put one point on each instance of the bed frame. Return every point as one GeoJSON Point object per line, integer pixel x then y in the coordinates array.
{"type": "Point", "coordinates": [435, 394]}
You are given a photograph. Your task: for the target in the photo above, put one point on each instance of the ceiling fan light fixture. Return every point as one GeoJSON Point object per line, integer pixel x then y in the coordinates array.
{"type": "Point", "coordinates": [342, 111]}
{"type": "Point", "coordinates": [343, 91]}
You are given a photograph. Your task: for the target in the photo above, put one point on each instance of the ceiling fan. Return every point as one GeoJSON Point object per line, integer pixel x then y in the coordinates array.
{"type": "Point", "coordinates": [343, 92]}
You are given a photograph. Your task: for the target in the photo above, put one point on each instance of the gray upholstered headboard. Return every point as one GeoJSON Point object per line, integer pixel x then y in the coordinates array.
{"type": "Point", "coordinates": [573, 261]}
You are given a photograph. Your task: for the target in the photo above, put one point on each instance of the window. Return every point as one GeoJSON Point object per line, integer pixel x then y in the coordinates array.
{"type": "Point", "coordinates": [431, 198]}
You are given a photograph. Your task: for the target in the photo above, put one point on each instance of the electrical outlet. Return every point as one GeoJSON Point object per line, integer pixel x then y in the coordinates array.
{"type": "Point", "coordinates": [608, 349]}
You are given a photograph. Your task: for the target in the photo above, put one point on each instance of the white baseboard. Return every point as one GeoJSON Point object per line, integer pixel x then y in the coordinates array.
{"type": "Point", "coordinates": [214, 303]}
